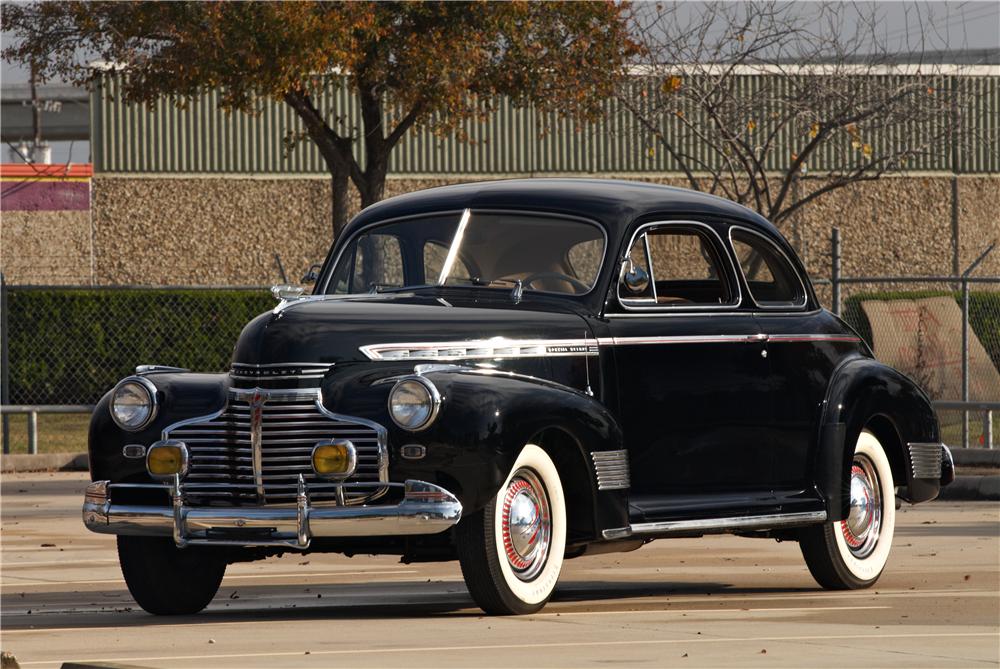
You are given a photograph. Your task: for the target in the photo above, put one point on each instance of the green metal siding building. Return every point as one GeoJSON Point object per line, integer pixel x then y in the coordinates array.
{"type": "Point", "coordinates": [202, 138]}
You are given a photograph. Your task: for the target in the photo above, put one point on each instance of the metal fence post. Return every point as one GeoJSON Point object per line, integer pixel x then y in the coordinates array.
{"type": "Point", "coordinates": [987, 429]}
{"type": "Point", "coordinates": [4, 372]}
{"type": "Point", "coordinates": [835, 268]}
{"type": "Point", "coordinates": [33, 432]}
{"type": "Point", "coordinates": [965, 360]}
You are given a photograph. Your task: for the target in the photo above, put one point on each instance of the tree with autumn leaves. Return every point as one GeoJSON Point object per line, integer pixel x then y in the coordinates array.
{"type": "Point", "coordinates": [409, 63]}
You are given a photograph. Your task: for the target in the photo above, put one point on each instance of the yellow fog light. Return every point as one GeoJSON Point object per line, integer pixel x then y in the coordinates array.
{"type": "Point", "coordinates": [335, 459]}
{"type": "Point", "coordinates": [166, 458]}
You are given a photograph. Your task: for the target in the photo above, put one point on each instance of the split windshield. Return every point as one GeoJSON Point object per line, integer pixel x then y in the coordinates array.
{"type": "Point", "coordinates": [477, 249]}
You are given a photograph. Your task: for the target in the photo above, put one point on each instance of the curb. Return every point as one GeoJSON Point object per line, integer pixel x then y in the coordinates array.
{"type": "Point", "coordinates": [45, 462]}
{"type": "Point", "coordinates": [972, 488]}
{"type": "Point", "coordinates": [976, 457]}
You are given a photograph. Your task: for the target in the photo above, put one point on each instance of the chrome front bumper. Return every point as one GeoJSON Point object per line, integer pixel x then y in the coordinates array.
{"type": "Point", "coordinates": [425, 509]}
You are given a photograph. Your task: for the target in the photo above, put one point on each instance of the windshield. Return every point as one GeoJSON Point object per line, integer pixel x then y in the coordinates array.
{"type": "Point", "coordinates": [483, 249]}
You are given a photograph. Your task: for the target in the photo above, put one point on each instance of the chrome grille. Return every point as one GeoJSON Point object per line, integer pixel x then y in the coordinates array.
{"type": "Point", "coordinates": [255, 449]}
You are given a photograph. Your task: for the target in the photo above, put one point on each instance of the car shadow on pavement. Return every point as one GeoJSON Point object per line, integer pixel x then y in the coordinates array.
{"type": "Point", "coordinates": [398, 600]}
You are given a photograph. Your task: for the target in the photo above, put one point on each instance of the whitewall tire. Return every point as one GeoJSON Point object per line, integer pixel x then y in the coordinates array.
{"type": "Point", "coordinates": [851, 553]}
{"type": "Point", "coordinates": [511, 551]}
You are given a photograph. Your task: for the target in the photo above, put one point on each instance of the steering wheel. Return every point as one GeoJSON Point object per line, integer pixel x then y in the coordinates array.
{"type": "Point", "coordinates": [580, 286]}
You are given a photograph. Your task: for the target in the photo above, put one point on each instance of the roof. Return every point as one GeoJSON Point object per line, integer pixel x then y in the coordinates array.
{"type": "Point", "coordinates": [613, 202]}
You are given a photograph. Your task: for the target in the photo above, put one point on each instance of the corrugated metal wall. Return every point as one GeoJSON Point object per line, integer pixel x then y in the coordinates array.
{"type": "Point", "coordinates": [203, 138]}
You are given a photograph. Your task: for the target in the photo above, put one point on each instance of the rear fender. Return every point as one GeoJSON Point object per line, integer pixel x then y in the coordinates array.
{"type": "Point", "coordinates": [866, 394]}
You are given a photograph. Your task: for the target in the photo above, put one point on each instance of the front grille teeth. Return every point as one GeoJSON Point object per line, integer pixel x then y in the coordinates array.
{"type": "Point", "coordinates": [237, 457]}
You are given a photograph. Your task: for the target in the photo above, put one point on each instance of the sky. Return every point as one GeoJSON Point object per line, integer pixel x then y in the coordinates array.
{"type": "Point", "coordinates": [974, 24]}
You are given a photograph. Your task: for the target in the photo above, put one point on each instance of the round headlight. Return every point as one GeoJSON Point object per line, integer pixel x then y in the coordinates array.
{"type": "Point", "coordinates": [414, 403]}
{"type": "Point", "coordinates": [133, 403]}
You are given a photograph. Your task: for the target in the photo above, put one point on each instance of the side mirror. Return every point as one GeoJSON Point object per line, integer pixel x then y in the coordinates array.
{"type": "Point", "coordinates": [311, 274]}
{"type": "Point", "coordinates": [635, 278]}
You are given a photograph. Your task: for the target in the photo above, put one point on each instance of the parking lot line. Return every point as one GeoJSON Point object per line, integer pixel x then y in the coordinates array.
{"type": "Point", "coordinates": [522, 646]}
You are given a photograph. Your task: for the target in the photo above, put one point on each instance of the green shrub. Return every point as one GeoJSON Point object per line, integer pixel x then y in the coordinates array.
{"type": "Point", "coordinates": [70, 345]}
{"type": "Point", "coordinates": [984, 314]}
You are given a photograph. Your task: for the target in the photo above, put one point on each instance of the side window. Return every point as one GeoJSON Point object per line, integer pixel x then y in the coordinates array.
{"type": "Point", "coordinates": [771, 279]}
{"type": "Point", "coordinates": [685, 268]}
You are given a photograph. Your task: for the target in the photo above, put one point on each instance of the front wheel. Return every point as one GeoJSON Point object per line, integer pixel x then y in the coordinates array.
{"type": "Point", "coordinates": [511, 552]}
{"type": "Point", "coordinates": [166, 580]}
{"type": "Point", "coordinates": [850, 554]}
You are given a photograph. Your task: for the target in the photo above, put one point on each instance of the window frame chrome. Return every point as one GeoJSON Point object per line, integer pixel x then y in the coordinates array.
{"type": "Point", "coordinates": [796, 307]}
{"type": "Point", "coordinates": [722, 248]}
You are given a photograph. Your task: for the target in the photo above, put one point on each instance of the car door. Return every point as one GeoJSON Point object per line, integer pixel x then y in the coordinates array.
{"type": "Point", "coordinates": [804, 345]}
{"type": "Point", "coordinates": [690, 373]}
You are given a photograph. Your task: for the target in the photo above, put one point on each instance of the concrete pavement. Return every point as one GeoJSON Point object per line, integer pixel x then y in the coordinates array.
{"type": "Point", "coordinates": [715, 601]}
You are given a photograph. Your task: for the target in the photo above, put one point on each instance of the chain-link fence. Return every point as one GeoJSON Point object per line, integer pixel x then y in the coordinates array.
{"type": "Point", "coordinates": [943, 332]}
{"type": "Point", "coordinates": [67, 346]}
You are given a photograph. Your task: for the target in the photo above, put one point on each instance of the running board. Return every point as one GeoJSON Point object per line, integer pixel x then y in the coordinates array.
{"type": "Point", "coordinates": [716, 525]}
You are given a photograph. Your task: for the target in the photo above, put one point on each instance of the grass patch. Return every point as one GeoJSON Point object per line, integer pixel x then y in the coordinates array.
{"type": "Point", "coordinates": [57, 432]}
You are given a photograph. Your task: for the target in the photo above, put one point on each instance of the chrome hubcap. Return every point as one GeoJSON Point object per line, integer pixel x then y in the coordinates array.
{"type": "Point", "coordinates": [526, 524]}
{"type": "Point", "coordinates": [864, 520]}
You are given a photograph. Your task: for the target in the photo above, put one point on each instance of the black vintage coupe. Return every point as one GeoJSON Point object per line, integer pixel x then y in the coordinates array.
{"type": "Point", "coordinates": [512, 374]}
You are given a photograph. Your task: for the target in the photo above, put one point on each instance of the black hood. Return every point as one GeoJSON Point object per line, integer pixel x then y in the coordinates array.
{"type": "Point", "coordinates": [332, 330]}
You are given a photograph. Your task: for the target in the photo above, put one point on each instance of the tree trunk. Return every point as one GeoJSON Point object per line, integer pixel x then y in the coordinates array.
{"type": "Point", "coordinates": [339, 183]}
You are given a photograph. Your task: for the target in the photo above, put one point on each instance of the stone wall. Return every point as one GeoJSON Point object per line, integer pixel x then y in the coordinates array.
{"type": "Point", "coordinates": [226, 230]}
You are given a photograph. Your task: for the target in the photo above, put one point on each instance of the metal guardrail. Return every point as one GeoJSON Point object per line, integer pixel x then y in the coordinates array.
{"type": "Point", "coordinates": [32, 410]}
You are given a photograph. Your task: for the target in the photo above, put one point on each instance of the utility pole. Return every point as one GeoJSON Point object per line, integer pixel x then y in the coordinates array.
{"type": "Point", "coordinates": [40, 152]}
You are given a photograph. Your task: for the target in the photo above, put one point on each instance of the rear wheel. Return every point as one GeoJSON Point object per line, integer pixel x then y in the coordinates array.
{"type": "Point", "coordinates": [851, 553]}
{"type": "Point", "coordinates": [166, 580]}
{"type": "Point", "coordinates": [511, 552]}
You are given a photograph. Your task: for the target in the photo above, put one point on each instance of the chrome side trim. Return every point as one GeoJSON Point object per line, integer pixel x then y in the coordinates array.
{"type": "Point", "coordinates": [612, 469]}
{"type": "Point", "coordinates": [726, 339]}
{"type": "Point", "coordinates": [425, 509]}
{"type": "Point", "coordinates": [733, 277]}
{"type": "Point", "coordinates": [717, 525]}
{"type": "Point", "coordinates": [926, 459]}
{"type": "Point", "coordinates": [482, 349]}
{"type": "Point", "coordinates": [500, 348]}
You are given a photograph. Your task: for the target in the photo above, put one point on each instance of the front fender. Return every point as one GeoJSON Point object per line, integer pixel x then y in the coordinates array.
{"type": "Point", "coordinates": [179, 395]}
{"type": "Point", "coordinates": [486, 417]}
{"type": "Point", "coordinates": [866, 393]}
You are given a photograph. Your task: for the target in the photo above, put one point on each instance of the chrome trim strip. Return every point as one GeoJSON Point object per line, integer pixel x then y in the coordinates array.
{"type": "Point", "coordinates": [256, 442]}
{"type": "Point", "coordinates": [482, 349]}
{"type": "Point", "coordinates": [781, 307]}
{"type": "Point", "coordinates": [926, 459]}
{"type": "Point", "coordinates": [156, 369]}
{"type": "Point", "coordinates": [713, 525]}
{"type": "Point", "coordinates": [612, 469]}
{"type": "Point", "coordinates": [733, 276]}
{"type": "Point", "coordinates": [499, 348]}
{"type": "Point", "coordinates": [425, 509]}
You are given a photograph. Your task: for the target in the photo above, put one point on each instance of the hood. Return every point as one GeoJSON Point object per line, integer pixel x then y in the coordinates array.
{"type": "Point", "coordinates": [334, 330]}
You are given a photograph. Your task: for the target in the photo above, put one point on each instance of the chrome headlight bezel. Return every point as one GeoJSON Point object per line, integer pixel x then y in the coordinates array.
{"type": "Point", "coordinates": [430, 400]}
{"type": "Point", "coordinates": [142, 386]}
